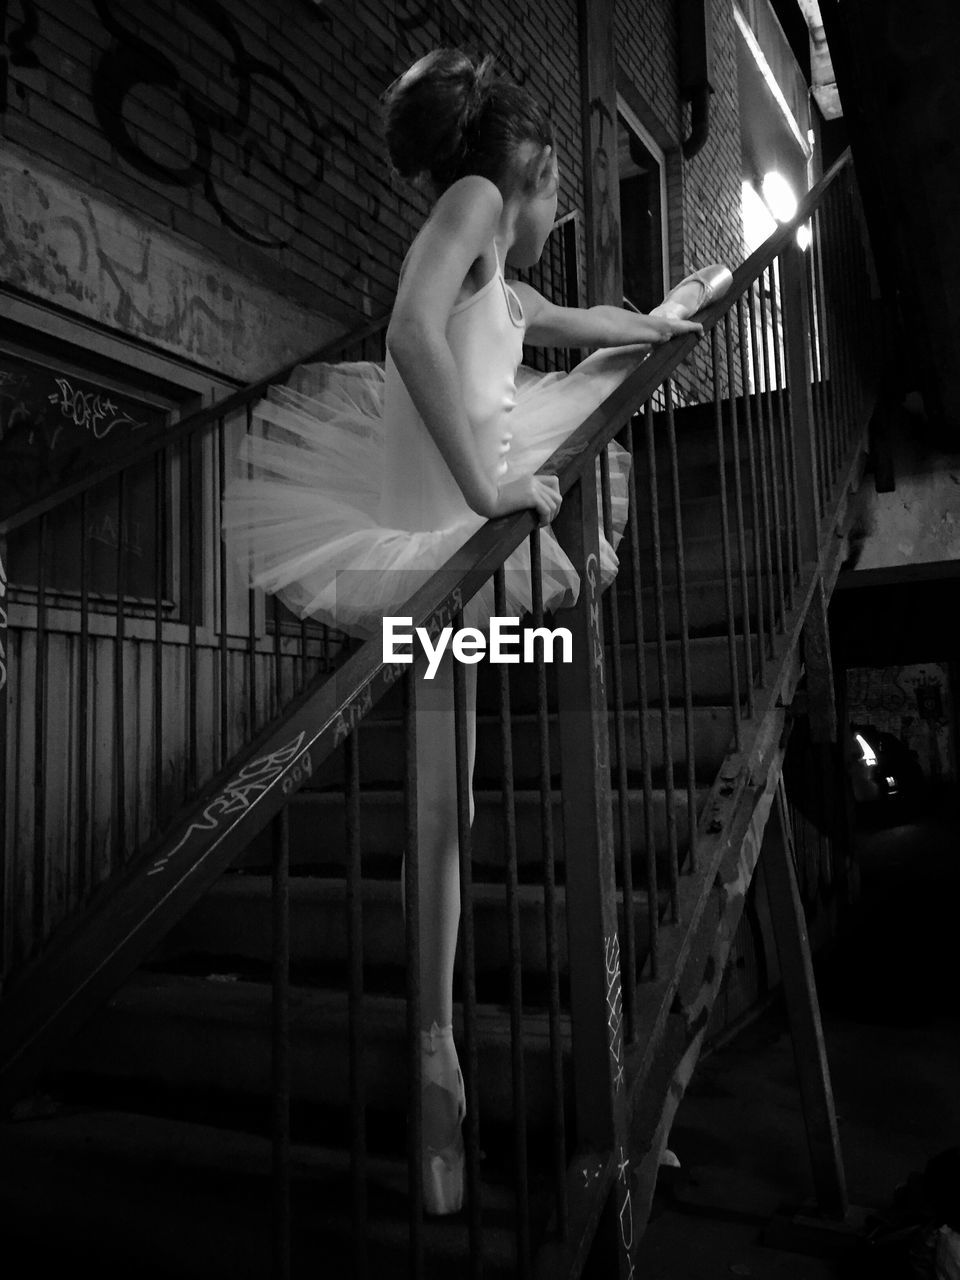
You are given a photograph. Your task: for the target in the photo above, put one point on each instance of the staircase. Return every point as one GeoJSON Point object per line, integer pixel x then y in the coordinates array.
{"type": "Point", "coordinates": [168, 1087]}
{"type": "Point", "coordinates": [149, 1132]}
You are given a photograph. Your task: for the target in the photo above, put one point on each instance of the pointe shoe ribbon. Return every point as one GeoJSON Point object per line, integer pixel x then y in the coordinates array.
{"type": "Point", "coordinates": [443, 1167]}
{"type": "Point", "coordinates": [695, 291]}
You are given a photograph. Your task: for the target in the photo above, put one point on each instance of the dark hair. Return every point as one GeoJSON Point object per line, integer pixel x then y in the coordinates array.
{"type": "Point", "coordinates": [447, 117]}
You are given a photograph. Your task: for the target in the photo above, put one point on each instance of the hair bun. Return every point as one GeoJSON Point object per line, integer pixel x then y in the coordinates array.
{"type": "Point", "coordinates": [430, 109]}
{"type": "Point", "coordinates": [447, 117]}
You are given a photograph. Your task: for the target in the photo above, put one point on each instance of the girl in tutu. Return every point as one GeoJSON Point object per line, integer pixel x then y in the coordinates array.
{"type": "Point", "coordinates": [363, 481]}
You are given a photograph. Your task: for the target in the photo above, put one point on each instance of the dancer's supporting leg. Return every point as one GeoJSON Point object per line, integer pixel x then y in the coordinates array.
{"type": "Point", "coordinates": [439, 850]}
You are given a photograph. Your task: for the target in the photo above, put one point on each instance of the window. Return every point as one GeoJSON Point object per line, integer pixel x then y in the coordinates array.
{"type": "Point", "coordinates": [56, 424]}
{"type": "Point", "coordinates": [643, 203]}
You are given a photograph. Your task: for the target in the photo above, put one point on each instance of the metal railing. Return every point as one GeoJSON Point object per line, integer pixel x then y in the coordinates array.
{"type": "Point", "coordinates": [606, 795]}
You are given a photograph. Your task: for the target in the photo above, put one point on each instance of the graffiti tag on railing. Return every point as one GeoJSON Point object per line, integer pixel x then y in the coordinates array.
{"type": "Point", "coordinates": [89, 409]}
{"type": "Point", "coordinates": [593, 577]}
{"type": "Point", "coordinates": [611, 960]}
{"type": "Point", "coordinates": [253, 780]}
{"type": "Point", "coordinates": [626, 1210]}
{"type": "Point", "coordinates": [3, 625]}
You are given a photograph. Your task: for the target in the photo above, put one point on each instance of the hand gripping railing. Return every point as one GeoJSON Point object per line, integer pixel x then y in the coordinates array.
{"type": "Point", "coordinates": [775, 402]}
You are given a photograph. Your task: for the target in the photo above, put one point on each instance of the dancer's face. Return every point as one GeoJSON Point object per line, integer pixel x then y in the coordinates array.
{"type": "Point", "coordinates": [537, 206]}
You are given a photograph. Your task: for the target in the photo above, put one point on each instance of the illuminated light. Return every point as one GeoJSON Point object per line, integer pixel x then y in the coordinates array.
{"type": "Point", "coordinates": [771, 80]}
{"type": "Point", "coordinates": [758, 222]}
{"type": "Point", "coordinates": [779, 197]}
{"type": "Point", "coordinates": [869, 756]}
{"type": "Point", "coordinates": [892, 783]}
{"type": "Point", "coordinates": [804, 236]}
{"type": "Point", "coordinates": [811, 138]}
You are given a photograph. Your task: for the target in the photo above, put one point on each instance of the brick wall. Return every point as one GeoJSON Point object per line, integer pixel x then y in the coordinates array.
{"type": "Point", "coordinates": [254, 132]}
{"type": "Point", "coordinates": [703, 193]}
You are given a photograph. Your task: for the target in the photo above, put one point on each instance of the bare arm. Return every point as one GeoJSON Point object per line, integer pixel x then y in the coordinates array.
{"type": "Point", "coordinates": [461, 226]}
{"type": "Point", "coordinates": [458, 231]}
{"type": "Point", "coordinates": [551, 326]}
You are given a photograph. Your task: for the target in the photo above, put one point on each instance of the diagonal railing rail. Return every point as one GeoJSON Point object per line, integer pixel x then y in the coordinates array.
{"type": "Point", "coordinates": [631, 837]}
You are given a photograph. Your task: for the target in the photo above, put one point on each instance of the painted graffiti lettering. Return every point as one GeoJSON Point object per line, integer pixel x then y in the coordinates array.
{"type": "Point", "coordinates": [89, 409]}
{"type": "Point", "coordinates": [626, 1209]}
{"type": "Point", "coordinates": [253, 781]}
{"type": "Point", "coordinates": [18, 40]}
{"type": "Point", "coordinates": [350, 717]}
{"type": "Point", "coordinates": [105, 530]}
{"type": "Point", "coordinates": [611, 960]}
{"type": "Point", "coordinates": [288, 161]}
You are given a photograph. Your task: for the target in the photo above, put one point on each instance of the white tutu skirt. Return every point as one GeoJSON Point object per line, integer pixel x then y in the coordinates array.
{"type": "Point", "coordinates": [301, 515]}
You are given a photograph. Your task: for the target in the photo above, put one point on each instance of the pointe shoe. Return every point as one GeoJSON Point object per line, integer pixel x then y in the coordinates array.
{"type": "Point", "coordinates": [694, 292]}
{"type": "Point", "coordinates": [443, 1166]}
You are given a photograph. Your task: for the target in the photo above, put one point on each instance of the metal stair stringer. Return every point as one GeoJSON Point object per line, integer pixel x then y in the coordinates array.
{"type": "Point", "coordinates": [674, 1010]}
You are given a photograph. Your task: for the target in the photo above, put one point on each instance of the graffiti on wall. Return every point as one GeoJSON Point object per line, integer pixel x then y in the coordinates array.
{"type": "Point", "coordinates": [911, 702]}
{"type": "Point", "coordinates": [251, 128]}
{"type": "Point", "coordinates": [289, 162]}
{"type": "Point", "coordinates": [16, 37]}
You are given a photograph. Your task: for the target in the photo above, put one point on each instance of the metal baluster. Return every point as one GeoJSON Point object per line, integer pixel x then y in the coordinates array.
{"type": "Point", "coordinates": [646, 766]}
{"type": "Point", "coordinates": [5, 790]}
{"type": "Point", "coordinates": [304, 646]}
{"type": "Point", "coordinates": [222, 562]}
{"type": "Point", "coordinates": [725, 538]}
{"type": "Point", "coordinates": [822, 387]}
{"type": "Point", "coordinates": [844, 333]}
{"type": "Point", "coordinates": [119, 726]}
{"type": "Point", "coordinates": [764, 479]}
{"type": "Point", "coordinates": [558, 1128]}
{"type": "Point", "coordinates": [759, 528]}
{"type": "Point", "coordinates": [850, 332]}
{"type": "Point", "coordinates": [194, 604]}
{"type": "Point", "coordinates": [411, 886]}
{"type": "Point", "coordinates": [831, 251]}
{"type": "Point", "coordinates": [252, 682]}
{"type": "Point", "coordinates": [468, 956]}
{"type": "Point", "coordinates": [277, 657]}
{"type": "Point", "coordinates": [514, 937]}
{"type": "Point", "coordinates": [685, 672]}
{"type": "Point", "coordinates": [159, 561]}
{"type": "Point", "coordinates": [83, 709]}
{"type": "Point", "coordinates": [39, 744]}
{"type": "Point", "coordinates": [356, 1011]}
{"type": "Point", "coordinates": [628, 933]}
{"type": "Point", "coordinates": [662, 660]}
{"type": "Point", "coordinates": [769, 442]}
{"type": "Point", "coordinates": [741, 533]}
{"type": "Point", "coordinates": [281, 1045]}
{"type": "Point", "coordinates": [787, 450]}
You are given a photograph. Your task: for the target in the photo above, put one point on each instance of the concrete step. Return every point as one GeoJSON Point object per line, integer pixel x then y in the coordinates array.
{"type": "Point", "coordinates": [231, 929]}
{"type": "Point", "coordinates": [196, 1203]}
{"type": "Point", "coordinates": [709, 675]}
{"type": "Point", "coordinates": [381, 747]}
{"type": "Point", "coordinates": [701, 514]}
{"type": "Point", "coordinates": [318, 835]}
{"type": "Point", "coordinates": [187, 1033]}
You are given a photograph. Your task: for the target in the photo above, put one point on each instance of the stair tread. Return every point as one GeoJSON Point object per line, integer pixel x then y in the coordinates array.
{"type": "Point", "coordinates": [216, 1182]}
{"type": "Point", "coordinates": [225, 999]}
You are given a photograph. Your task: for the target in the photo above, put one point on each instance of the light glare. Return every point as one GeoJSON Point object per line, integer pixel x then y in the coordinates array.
{"type": "Point", "coordinates": [779, 196]}
{"type": "Point", "coordinates": [869, 756]}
